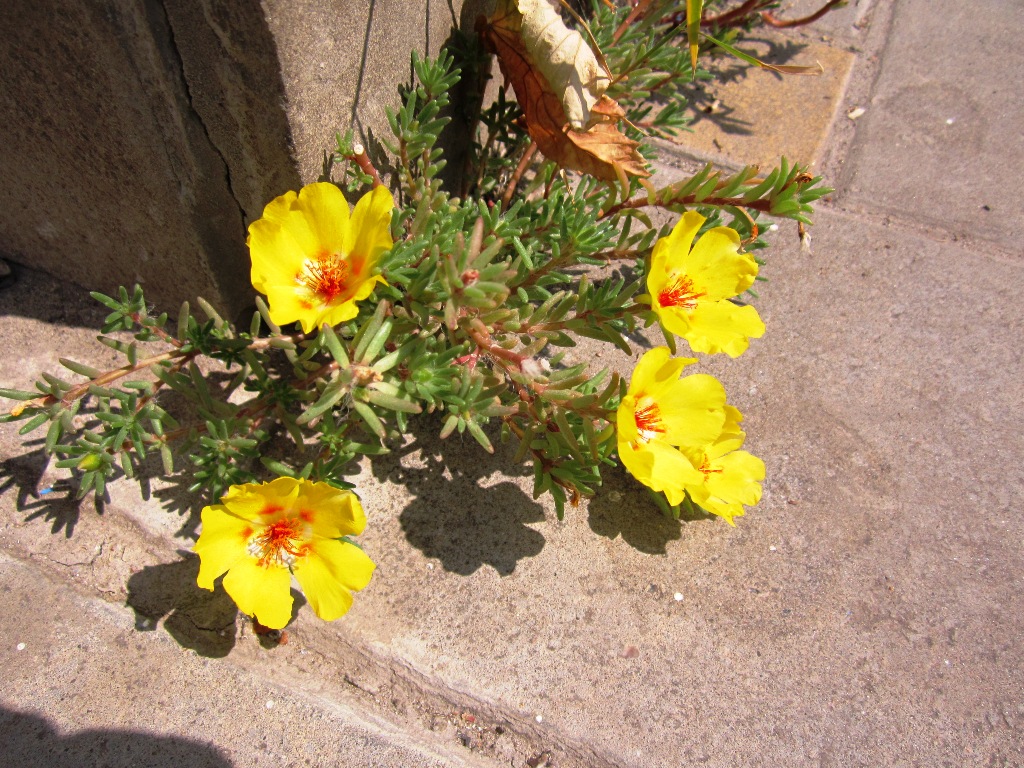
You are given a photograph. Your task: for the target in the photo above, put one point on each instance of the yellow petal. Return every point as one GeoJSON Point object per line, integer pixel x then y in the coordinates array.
{"type": "Point", "coordinates": [279, 208]}
{"type": "Point", "coordinates": [728, 510]}
{"type": "Point", "coordinates": [716, 266]}
{"type": "Point", "coordinates": [370, 232]}
{"type": "Point", "coordinates": [263, 503]}
{"type": "Point", "coordinates": [670, 251]}
{"type": "Point", "coordinates": [327, 215]}
{"type": "Point", "coordinates": [338, 312]}
{"type": "Point", "coordinates": [732, 436]}
{"type": "Point", "coordinates": [277, 257]}
{"type": "Point", "coordinates": [722, 326]}
{"type": "Point", "coordinates": [660, 467]}
{"type": "Point", "coordinates": [656, 368]}
{"type": "Point", "coordinates": [262, 592]}
{"type": "Point", "coordinates": [222, 543]}
{"type": "Point", "coordinates": [331, 512]}
{"type": "Point", "coordinates": [693, 411]}
{"type": "Point", "coordinates": [737, 478]}
{"type": "Point", "coordinates": [328, 574]}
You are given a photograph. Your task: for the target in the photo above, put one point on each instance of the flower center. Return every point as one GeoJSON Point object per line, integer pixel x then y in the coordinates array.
{"type": "Point", "coordinates": [705, 468]}
{"type": "Point", "coordinates": [680, 294]}
{"type": "Point", "coordinates": [326, 276]}
{"type": "Point", "coordinates": [279, 543]}
{"type": "Point", "coordinates": [648, 421]}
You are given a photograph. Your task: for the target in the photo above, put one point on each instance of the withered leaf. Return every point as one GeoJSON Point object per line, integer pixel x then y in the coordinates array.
{"type": "Point", "coordinates": [598, 148]}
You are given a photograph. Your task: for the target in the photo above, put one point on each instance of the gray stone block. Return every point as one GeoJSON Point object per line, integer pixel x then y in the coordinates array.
{"type": "Point", "coordinates": [941, 140]}
{"type": "Point", "coordinates": [139, 140]}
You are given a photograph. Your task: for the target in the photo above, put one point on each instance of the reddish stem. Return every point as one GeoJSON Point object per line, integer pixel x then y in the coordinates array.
{"type": "Point", "coordinates": [524, 162]}
{"type": "Point", "coordinates": [360, 158]}
{"type": "Point", "coordinates": [770, 20]}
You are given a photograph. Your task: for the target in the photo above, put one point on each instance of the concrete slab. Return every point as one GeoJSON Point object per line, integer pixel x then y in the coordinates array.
{"type": "Point", "coordinates": [754, 116]}
{"type": "Point", "coordinates": [845, 22]}
{"type": "Point", "coordinates": [83, 687]}
{"type": "Point", "coordinates": [880, 574]}
{"type": "Point", "coordinates": [867, 612]}
{"type": "Point", "coordinates": [343, 61]}
{"type": "Point", "coordinates": [941, 141]}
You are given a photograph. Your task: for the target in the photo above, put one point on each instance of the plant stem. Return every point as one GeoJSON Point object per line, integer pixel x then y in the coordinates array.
{"type": "Point", "coordinates": [524, 163]}
{"type": "Point", "coordinates": [770, 19]}
{"type": "Point", "coordinates": [765, 206]}
{"type": "Point", "coordinates": [360, 158]}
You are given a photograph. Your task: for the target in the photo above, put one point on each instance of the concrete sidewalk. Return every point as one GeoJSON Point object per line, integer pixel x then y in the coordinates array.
{"type": "Point", "coordinates": [868, 612]}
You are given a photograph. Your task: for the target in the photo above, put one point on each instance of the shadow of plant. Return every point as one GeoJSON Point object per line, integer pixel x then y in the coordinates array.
{"type": "Point", "coordinates": [196, 618]}
{"type": "Point", "coordinates": [456, 517]}
{"type": "Point", "coordinates": [704, 96]}
{"type": "Point", "coordinates": [52, 500]}
{"type": "Point", "coordinates": [623, 507]}
{"type": "Point", "coordinates": [31, 741]}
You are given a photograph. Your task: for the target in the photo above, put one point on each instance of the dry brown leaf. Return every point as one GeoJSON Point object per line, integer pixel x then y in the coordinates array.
{"type": "Point", "coordinates": [599, 148]}
{"type": "Point", "coordinates": [564, 58]}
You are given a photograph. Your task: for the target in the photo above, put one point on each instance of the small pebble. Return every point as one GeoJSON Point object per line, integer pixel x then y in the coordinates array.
{"type": "Point", "coordinates": [950, 121]}
{"type": "Point", "coordinates": [678, 596]}
{"type": "Point", "coordinates": [21, 647]}
{"type": "Point", "coordinates": [539, 718]}
{"type": "Point", "coordinates": [856, 112]}
{"type": "Point", "coordinates": [771, 548]}
{"type": "Point", "coordinates": [270, 705]}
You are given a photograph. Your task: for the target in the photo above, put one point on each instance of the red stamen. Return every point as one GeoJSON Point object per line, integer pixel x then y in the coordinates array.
{"type": "Point", "coordinates": [648, 422]}
{"type": "Point", "coordinates": [327, 277]}
{"type": "Point", "coordinates": [705, 468]}
{"type": "Point", "coordinates": [680, 294]}
{"type": "Point", "coordinates": [277, 540]}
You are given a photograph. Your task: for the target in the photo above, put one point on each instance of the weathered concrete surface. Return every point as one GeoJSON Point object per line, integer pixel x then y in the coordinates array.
{"type": "Point", "coordinates": [343, 61]}
{"type": "Point", "coordinates": [867, 612]}
{"type": "Point", "coordinates": [83, 686]}
{"type": "Point", "coordinates": [110, 176]}
{"type": "Point", "coordinates": [753, 116]}
{"type": "Point", "coordinates": [941, 141]}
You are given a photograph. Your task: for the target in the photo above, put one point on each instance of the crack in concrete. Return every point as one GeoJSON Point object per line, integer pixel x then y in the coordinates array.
{"type": "Point", "coordinates": [183, 74]}
{"type": "Point", "coordinates": [90, 561]}
{"type": "Point", "coordinates": [410, 694]}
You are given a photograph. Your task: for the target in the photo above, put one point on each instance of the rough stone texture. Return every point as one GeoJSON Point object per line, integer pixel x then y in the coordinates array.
{"type": "Point", "coordinates": [140, 140]}
{"type": "Point", "coordinates": [173, 707]}
{"type": "Point", "coordinates": [868, 612]}
{"type": "Point", "coordinates": [941, 141]}
{"type": "Point", "coordinates": [110, 175]}
{"type": "Point", "coordinates": [343, 60]}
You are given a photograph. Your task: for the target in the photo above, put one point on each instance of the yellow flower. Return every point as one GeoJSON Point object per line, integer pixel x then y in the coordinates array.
{"type": "Point", "coordinates": [262, 534]}
{"type": "Point", "coordinates": [313, 259]}
{"type": "Point", "coordinates": [662, 413]}
{"type": "Point", "coordinates": [690, 288]}
{"type": "Point", "coordinates": [729, 478]}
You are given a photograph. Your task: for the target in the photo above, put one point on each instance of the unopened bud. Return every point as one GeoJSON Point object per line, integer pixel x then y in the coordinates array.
{"type": "Point", "coordinates": [90, 462]}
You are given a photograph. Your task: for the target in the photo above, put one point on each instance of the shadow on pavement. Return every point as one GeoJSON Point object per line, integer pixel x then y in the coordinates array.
{"type": "Point", "coordinates": [196, 618]}
{"type": "Point", "coordinates": [31, 741]}
{"type": "Point", "coordinates": [457, 516]}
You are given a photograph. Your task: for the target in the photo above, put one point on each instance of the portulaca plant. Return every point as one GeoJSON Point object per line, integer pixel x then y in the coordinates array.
{"type": "Point", "coordinates": [382, 302]}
